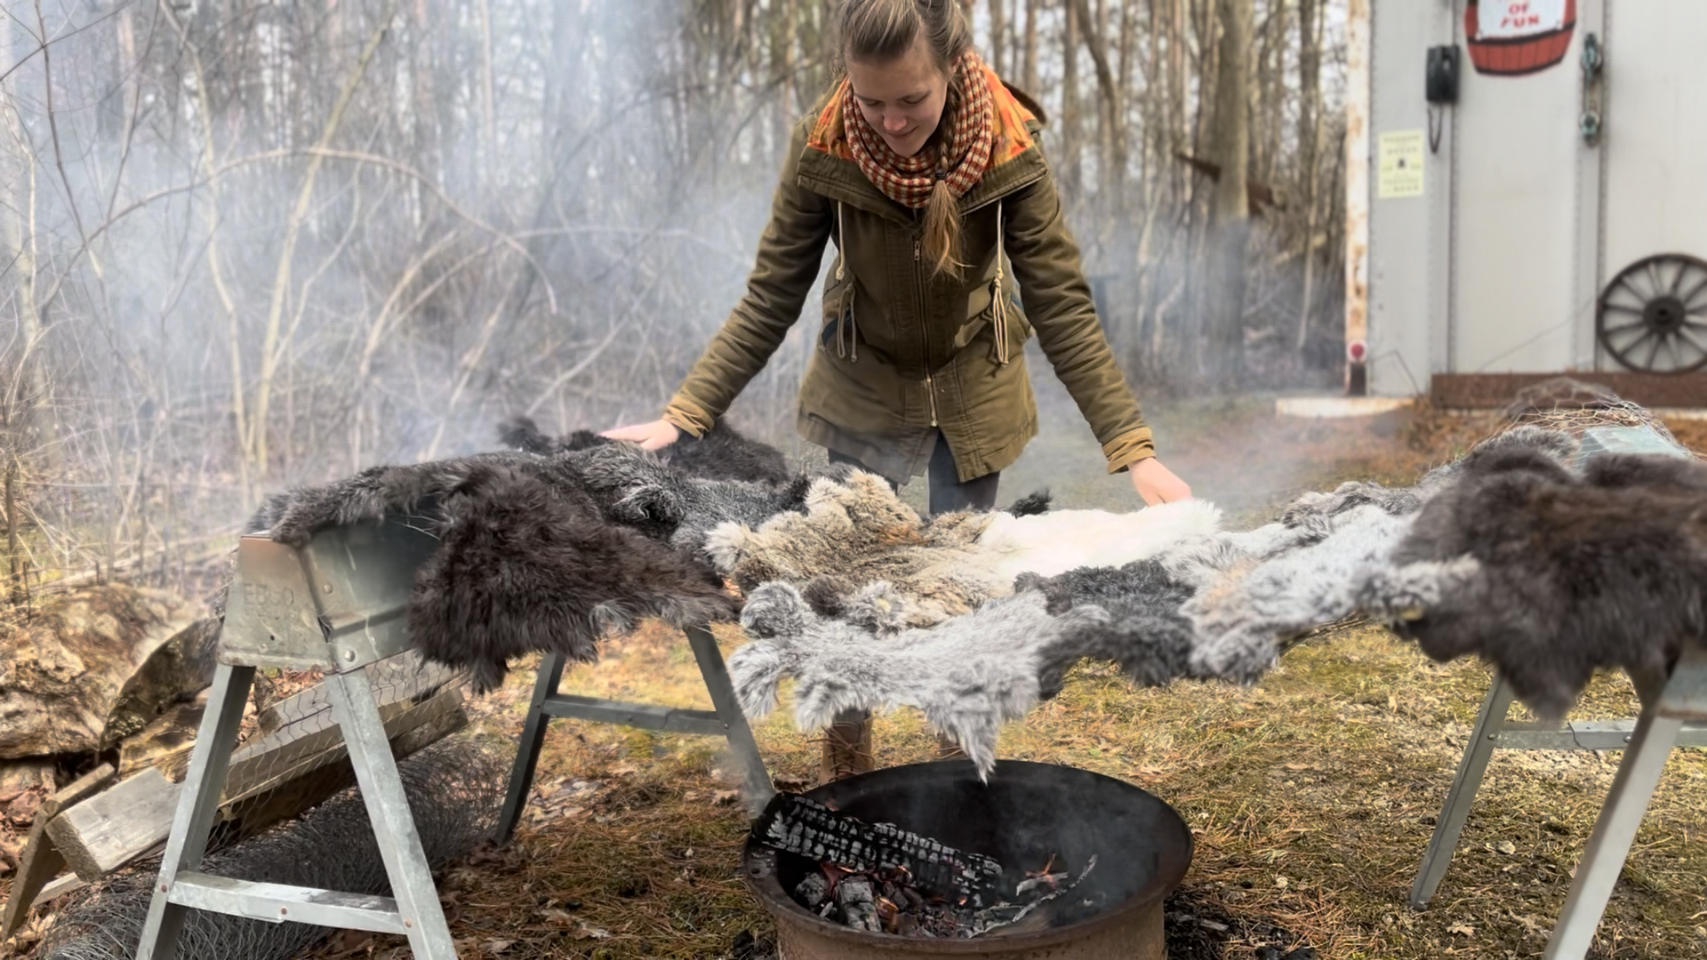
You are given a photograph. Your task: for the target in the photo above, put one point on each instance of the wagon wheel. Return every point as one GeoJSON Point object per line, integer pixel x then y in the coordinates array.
{"type": "Point", "coordinates": [1653, 315]}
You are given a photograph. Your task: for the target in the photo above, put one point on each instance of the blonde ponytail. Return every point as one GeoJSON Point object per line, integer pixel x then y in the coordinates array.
{"type": "Point", "coordinates": [941, 243]}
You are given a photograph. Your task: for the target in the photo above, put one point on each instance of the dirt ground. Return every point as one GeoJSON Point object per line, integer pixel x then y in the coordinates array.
{"type": "Point", "coordinates": [1311, 795]}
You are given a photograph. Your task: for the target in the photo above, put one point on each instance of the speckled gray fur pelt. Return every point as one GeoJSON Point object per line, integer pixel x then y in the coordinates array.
{"type": "Point", "coordinates": [526, 562]}
{"type": "Point", "coordinates": [1144, 632]}
{"type": "Point", "coordinates": [1256, 588]}
{"type": "Point", "coordinates": [724, 453]}
{"type": "Point", "coordinates": [1551, 575]}
{"type": "Point", "coordinates": [968, 675]}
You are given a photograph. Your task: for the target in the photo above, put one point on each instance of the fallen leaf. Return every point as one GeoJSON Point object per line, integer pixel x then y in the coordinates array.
{"type": "Point", "coordinates": [1506, 847]}
{"type": "Point", "coordinates": [1462, 930]}
{"type": "Point", "coordinates": [1281, 882]}
{"type": "Point", "coordinates": [590, 932]}
{"type": "Point", "coordinates": [725, 797]}
{"type": "Point", "coordinates": [497, 946]}
{"type": "Point", "coordinates": [555, 915]}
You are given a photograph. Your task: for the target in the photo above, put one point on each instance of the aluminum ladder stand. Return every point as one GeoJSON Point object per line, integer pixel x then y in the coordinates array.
{"type": "Point", "coordinates": [726, 720]}
{"type": "Point", "coordinates": [1674, 714]}
{"type": "Point", "coordinates": [337, 604]}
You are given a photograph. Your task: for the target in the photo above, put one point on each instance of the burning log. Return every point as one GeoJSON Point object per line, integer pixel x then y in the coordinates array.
{"type": "Point", "coordinates": [881, 879]}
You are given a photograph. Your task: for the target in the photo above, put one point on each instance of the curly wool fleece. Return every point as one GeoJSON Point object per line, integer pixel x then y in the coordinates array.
{"type": "Point", "coordinates": [858, 531]}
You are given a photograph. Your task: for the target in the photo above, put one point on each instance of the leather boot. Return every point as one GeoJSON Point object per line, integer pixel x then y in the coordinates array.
{"type": "Point", "coordinates": [847, 747]}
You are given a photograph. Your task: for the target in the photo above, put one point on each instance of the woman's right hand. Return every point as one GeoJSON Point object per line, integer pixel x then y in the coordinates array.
{"type": "Point", "coordinates": [651, 436]}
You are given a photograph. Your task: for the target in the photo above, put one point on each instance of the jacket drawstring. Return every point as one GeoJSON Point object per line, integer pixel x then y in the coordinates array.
{"type": "Point", "coordinates": [845, 319]}
{"type": "Point", "coordinates": [998, 296]}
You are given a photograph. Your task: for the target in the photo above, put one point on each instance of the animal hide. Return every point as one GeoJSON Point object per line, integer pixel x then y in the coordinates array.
{"type": "Point", "coordinates": [1255, 589]}
{"type": "Point", "coordinates": [858, 532]}
{"type": "Point", "coordinates": [968, 675]}
{"type": "Point", "coordinates": [635, 487]}
{"type": "Point", "coordinates": [1056, 542]}
{"type": "Point", "coordinates": [526, 561]}
{"type": "Point", "coordinates": [722, 454]}
{"type": "Point", "coordinates": [1552, 575]}
{"type": "Point", "coordinates": [1144, 631]}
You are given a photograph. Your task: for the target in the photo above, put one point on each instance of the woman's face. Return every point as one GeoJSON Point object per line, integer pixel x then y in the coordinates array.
{"type": "Point", "coordinates": [902, 98]}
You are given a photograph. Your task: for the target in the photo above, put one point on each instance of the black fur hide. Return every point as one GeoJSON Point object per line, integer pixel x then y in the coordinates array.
{"type": "Point", "coordinates": [722, 454]}
{"type": "Point", "coordinates": [1567, 574]}
{"type": "Point", "coordinates": [526, 561]}
{"type": "Point", "coordinates": [1145, 633]}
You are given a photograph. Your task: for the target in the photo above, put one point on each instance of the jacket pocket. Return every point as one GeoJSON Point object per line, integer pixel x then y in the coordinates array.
{"type": "Point", "coordinates": [838, 335]}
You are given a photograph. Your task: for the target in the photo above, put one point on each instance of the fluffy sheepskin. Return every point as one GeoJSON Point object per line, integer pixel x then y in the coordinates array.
{"type": "Point", "coordinates": [858, 531]}
{"type": "Point", "coordinates": [968, 675]}
{"type": "Point", "coordinates": [1551, 575]}
{"type": "Point", "coordinates": [526, 561]}
{"type": "Point", "coordinates": [1053, 543]}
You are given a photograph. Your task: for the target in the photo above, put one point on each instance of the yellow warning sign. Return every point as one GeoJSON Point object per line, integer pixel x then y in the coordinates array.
{"type": "Point", "coordinates": [1399, 166]}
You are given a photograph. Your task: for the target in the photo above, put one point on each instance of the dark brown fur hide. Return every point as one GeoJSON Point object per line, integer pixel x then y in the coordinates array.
{"type": "Point", "coordinates": [722, 454]}
{"type": "Point", "coordinates": [1568, 574]}
{"type": "Point", "coordinates": [526, 561]}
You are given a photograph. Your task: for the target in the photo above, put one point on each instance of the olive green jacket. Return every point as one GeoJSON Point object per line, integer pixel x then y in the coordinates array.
{"type": "Point", "coordinates": [901, 354]}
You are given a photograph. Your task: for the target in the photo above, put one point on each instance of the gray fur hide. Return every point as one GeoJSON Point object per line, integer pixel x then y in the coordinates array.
{"type": "Point", "coordinates": [1551, 575]}
{"type": "Point", "coordinates": [526, 560]}
{"type": "Point", "coordinates": [722, 454]}
{"type": "Point", "coordinates": [858, 532]}
{"type": "Point", "coordinates": [1255, 589]}
{"type": "Point", "coordinates": [968, 675]}
{"type": "Point", "coordinates": [1144, 631]}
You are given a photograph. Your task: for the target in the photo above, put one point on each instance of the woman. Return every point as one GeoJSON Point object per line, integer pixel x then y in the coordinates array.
{"type": "Point", "coordinates": [925, 170]}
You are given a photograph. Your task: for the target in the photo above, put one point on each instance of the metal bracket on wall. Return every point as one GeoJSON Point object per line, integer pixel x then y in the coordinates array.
{"type": "Point", "coordinates": [1593, 62]}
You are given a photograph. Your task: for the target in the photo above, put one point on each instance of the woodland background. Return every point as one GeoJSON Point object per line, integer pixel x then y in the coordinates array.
{"type": "Point", "coordinates": [247, 244]}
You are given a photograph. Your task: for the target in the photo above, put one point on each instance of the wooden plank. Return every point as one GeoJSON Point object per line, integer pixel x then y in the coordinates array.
{"type": "Point", "coordinates": [134, 815]}
{"type": "Point", "coordinates": [41, 859]}
{"type": "Point", "coordinates": [280, 778]}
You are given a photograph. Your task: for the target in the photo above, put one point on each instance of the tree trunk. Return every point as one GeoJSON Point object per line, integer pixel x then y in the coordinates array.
{"type": "Point", "coordinates": [94, 666]}
{"type": "Point", "coordinates": [998, 30]}
{"type": "Point", "coordinates": [1072, 136]}
{"type": "Point", "coordinates": [1031, 46]}
{"type": "Point", "coordinates": [1309, 148]}
{"type": "Point", "coordinates": [1229, 212]}
{"type": "Point", "coordinates": [1112, 162]}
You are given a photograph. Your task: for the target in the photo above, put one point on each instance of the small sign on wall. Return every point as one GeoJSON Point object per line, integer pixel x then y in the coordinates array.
{"type": "Point", "coordinates": [1399, 165]}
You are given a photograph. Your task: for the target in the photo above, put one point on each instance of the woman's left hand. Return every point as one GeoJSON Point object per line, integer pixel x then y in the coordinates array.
{"type": "Point", "coordinates": [1156, 483]}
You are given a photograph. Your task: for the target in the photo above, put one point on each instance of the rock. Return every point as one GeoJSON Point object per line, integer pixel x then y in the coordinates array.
{"type": "Point", "coordinates": [93, 666]}
{"type": "Point", "coordinates": [22, 810]}
{"type": "Point", "coordinates": [20, 776]}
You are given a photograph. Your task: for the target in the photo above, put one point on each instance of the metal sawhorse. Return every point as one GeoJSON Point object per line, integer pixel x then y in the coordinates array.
{"type": "Point", "coordinates": [1674, 713]}
{"type": "Point", "coordinates": [340, 604]}
{"type": "Point", "coordinates": [726, 720]}
{"type": "Point", "coordinates": [337, 604]}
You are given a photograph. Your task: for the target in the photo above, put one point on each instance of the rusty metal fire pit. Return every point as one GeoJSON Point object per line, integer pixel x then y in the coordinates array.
{"type": "Point", "coordinates": [1026, 813]}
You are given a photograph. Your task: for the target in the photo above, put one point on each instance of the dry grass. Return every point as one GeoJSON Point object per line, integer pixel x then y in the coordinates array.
{"type": "Point", "coordinates": [1311, 796]}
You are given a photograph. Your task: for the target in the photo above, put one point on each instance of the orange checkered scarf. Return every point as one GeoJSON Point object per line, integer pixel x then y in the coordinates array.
{"type": "Point", "coordinates": [960, 157]}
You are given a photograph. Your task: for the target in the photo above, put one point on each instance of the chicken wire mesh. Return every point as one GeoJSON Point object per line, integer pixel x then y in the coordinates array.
{"type": "Point", "coordinates": [455, 790]}
{"type": "Point", "coordinates": [1575, 407]}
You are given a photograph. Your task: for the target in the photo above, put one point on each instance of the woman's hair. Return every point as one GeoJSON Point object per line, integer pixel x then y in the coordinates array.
{"type": "Point", "coordinates": [877, 31]}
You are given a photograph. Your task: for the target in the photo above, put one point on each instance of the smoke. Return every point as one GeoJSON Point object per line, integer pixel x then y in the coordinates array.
{"type": "Point", "coordinates": [248, 246]}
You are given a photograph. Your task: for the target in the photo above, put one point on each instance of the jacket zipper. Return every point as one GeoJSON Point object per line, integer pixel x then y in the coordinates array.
{"type": "Point", "coordinates": [924, 328]}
